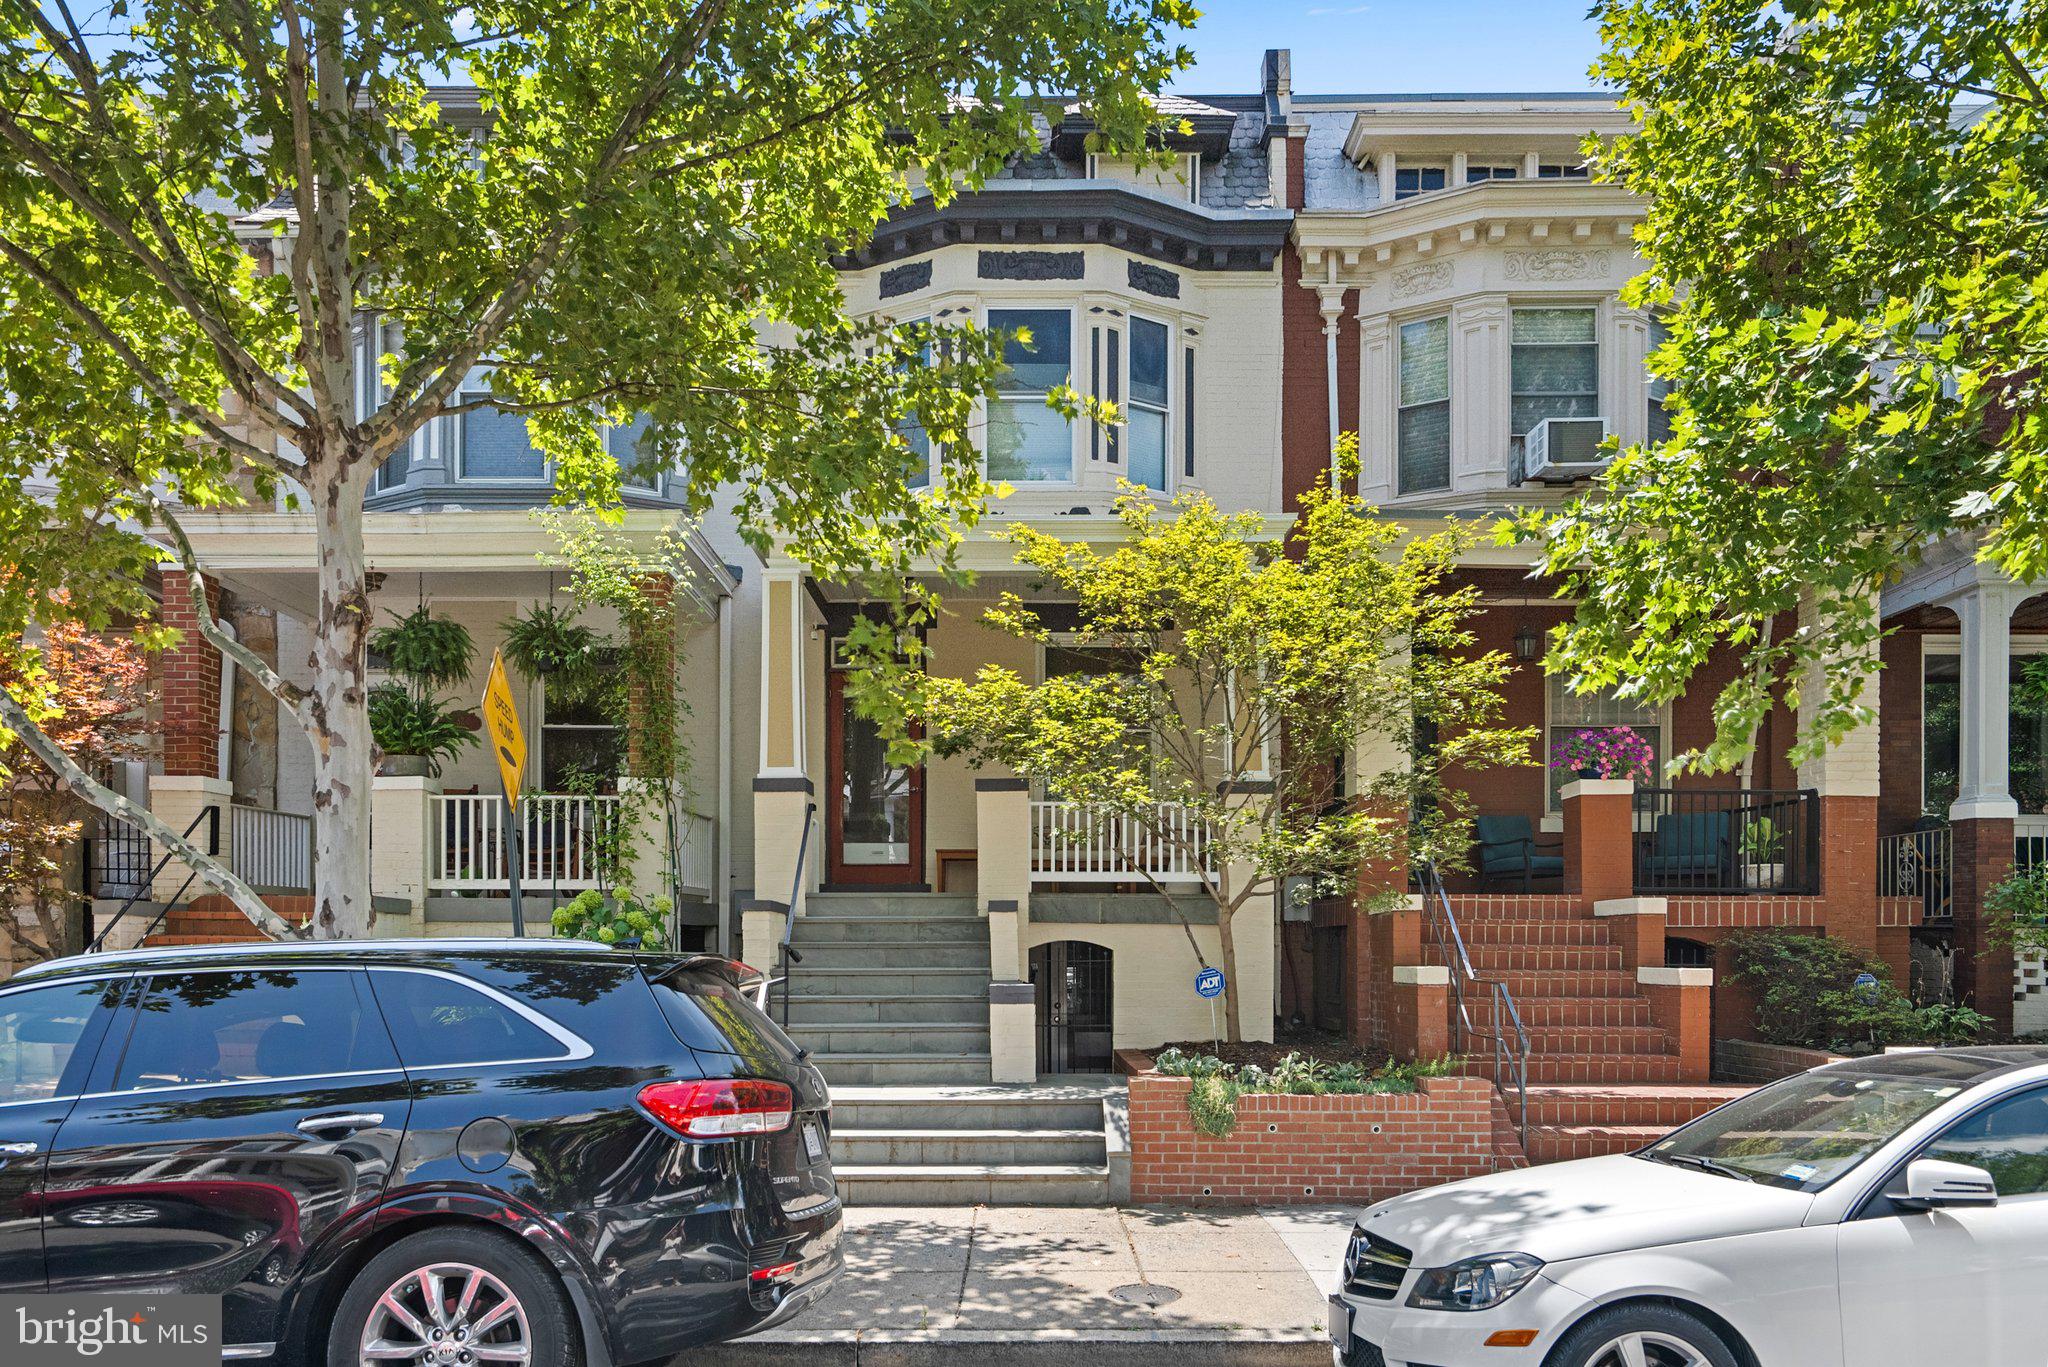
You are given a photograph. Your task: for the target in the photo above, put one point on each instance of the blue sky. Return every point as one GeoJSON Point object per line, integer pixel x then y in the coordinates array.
{"type": "Point", "coordinates": [1346, 47]}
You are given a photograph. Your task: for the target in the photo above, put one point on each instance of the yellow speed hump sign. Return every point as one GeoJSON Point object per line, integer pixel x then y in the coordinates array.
{"type": "Point", "coordinates": [508, 737]}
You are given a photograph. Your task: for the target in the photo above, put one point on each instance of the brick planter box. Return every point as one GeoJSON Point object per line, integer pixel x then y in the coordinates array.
{"type": "Point", "coordinates": [1742, 1060]}
{"type": "Point", "coordinates": [1308, 1148]}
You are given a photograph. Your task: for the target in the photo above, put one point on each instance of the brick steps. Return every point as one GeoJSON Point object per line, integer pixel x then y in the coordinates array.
{"type": "Point", "coordinates": [1592, 1068]}
{"type": "Point", "coordinates": [1562, 1143]}
{"type": "Point", "coordinates": [1557, 933]}
{"type": "Point", "coordinates": [1549, 1012]}
{"type": "Point", "coordinates": [1664, 1107]}
{"type": "Point", "coordinates": [1521, 958]}
{"type": "Point", "coordinates": [212, 919]}
{"type": "Point", "coordinates": [1529, 983]}
{"type": "Point", "coordinates": [1596, 1039]}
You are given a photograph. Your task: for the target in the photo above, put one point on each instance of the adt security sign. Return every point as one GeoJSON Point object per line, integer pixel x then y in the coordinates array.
{"type": "Point", "coordinates": [1209, 983]}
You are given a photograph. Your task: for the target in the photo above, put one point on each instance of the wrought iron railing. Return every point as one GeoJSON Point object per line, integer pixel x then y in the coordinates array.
{"type": "Point", "coordinates": [209, 817]}
{"type": "Point", "coordinates": [787, 956]}
{"type": "Point", "coordinates": [1502, 1035]}
{"type": "Point", "coordinates": [117, 858]}
{"type": "Point", "coordinates": [1727, 840]}
{"type": "Point", "coordinates": [1080, 842]}
{"type": "Point", "coordinates": [1919, 864]}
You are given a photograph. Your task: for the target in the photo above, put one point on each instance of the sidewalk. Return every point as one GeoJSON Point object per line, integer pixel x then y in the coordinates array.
{"type": "Point", "coordinates": [1049, 1285]}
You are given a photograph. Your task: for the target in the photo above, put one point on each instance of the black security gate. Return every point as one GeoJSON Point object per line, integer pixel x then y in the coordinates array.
{"type": "Point", "coordinates": [1070, 982]}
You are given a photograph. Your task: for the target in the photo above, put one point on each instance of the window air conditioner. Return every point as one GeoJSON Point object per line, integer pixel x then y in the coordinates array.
{"type": "Point", "coordinates": [1563, 450]}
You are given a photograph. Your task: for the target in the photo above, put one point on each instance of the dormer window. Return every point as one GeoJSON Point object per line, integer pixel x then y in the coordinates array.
{"type": "Point", "coordinates": [1410, 181]}
{"type": "Point", "coordinates": [1553, 170]}
{"type": "Point", "coordinates": [1478, 171]}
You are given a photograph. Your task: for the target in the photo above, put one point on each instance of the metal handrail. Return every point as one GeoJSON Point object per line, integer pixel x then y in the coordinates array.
{"type": "Point", "coordinates": [789, 956]}
{"type": "Point", "coordinates": [1505, 1032]}
{"type": "Point", "coordinates": [211, 816]}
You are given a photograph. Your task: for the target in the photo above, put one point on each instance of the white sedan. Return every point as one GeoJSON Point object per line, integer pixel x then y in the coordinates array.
{"type": "Point", "coordinates": [1885, 1212]}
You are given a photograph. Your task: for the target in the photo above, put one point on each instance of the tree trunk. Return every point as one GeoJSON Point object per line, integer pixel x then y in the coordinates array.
{"type": "Point", "coordinates": [1233, 1024]}
{"type": "Point", "coordinates": [338, 711]}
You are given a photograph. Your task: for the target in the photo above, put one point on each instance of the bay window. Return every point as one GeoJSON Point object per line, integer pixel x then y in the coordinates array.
{"type": "Point", "coordinates": [492, 444]}
{"type": "Point", "coordinates": [1554, 367]}
{"type": "Point", "coordinates": [1423, 423]}
{"type": "Point", "coordinates": [1410, 181]}
{"type": "Point", "coordinates": [1660, 389]}
{"type": "Point", "coordinates": [1029, 443]}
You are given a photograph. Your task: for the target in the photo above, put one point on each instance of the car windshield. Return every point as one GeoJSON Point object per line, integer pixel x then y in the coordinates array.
{"type": "Point", "coordinates": [1804, 1132]}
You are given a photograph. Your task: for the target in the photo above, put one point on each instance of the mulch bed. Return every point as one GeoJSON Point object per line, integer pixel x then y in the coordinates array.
{"type": "Point", "coordinates": [1314, 1043]}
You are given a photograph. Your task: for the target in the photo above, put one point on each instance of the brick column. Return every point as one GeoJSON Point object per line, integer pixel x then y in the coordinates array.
{"type": "Point", "coordinates": [657, 637]}
{"type": "Point", "coordinates": [1984, 967]}
{"type": "Point", "coordinates": [191, 674]}
{"type": "Point", "coordinates": [1637, 924]}
{"type": "Point", "coordinates": [1681, 1001]}
{"type": "Point", "coordinates": [1599, 838]}
{"type": "Point", "coordinates": [1983, 812]}
{"type": "Point", "coordinates": [1845, 776]}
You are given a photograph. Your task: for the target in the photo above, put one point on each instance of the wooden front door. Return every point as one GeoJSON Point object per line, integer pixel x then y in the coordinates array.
{"type": "Point", "coordinates": [874, 808]}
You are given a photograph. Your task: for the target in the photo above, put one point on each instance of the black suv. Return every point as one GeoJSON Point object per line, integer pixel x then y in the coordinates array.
{"type": "Point", "coordinates": [432, 1152]}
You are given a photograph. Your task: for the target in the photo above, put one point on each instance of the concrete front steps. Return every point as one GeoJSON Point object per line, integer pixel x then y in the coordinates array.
{"type": "Point", "coordinates": [1045, 1144]}
{"type": "Point", "coordinates": [892, 990]}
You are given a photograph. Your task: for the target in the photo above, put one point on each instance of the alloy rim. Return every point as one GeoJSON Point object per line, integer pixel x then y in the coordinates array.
{"type": "Point", "coordinates": [1646, 1349]}
{"type": "Point", "coordinates": [447, 1315]}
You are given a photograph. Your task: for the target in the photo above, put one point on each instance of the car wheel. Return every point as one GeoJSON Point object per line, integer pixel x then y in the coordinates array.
{"type": "Point", "coordinates": [454, 1298]}
{"type": "Point", "coordinates": [1644, 1336]}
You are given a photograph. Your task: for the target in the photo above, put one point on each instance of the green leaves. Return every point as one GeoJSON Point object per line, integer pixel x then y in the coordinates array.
{"type": "Point", "coordinates": [1844, 222]}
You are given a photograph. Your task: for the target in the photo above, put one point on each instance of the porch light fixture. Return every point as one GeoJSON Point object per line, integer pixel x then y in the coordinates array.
{"type": "Point", "coordinates": [1528, 643]}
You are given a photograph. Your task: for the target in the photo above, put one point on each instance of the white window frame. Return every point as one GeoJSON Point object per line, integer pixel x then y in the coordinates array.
{"type": "Point", "coordinates": [1190, 168]}
{"type": "Point", "coordinates": [1555, 812]}
{"type": "Point", "coordinates": [1167, 412]}
{"type": "Point", "coordinates": [1067, 303]}
{"type": "Point", "coordinates": [1397, 322]}
{"type": "Point", "coordinates": [1601, 351]}
{"type": "Point", "coordinates": [1403, 165]}
{"type": "Point", "coordinates": [1504, 168]}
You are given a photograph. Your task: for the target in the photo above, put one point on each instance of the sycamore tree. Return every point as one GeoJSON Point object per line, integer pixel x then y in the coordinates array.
{"type": "Point", "coordinates": [1845, 238]}
{"type": "Point", "coordinates": [206, 209]}
{"type": "Point", "coordinates": [1239, 671]}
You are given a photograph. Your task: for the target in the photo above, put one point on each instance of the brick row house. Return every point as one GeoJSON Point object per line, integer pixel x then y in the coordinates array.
{"type": "Point", "coordinates": [1436, 273]}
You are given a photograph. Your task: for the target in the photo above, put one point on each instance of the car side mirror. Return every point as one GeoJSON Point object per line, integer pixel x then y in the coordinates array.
{"type": "Point", "coordinates": [1932, 1184]}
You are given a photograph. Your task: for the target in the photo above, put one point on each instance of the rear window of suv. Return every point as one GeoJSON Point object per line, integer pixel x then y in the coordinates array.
{"type": "Point", "coordinates": [709, 1014]}
{"type": "Point", "coordinates": [440, 1022]}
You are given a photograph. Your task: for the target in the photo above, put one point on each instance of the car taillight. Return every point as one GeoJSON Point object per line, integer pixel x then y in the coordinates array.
{"type": "Point", "coordinates": [720, 1108]}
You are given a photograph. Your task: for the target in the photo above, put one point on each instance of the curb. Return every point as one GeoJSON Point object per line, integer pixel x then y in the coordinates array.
{"type": "Point", "coordinates": [1019, 1348]}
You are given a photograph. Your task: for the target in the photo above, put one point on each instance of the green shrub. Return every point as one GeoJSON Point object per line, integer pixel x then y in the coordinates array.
{"type": "Point", "coordinates": [2019, 910]}
{"type": "Point", "coordinates": [1212, 1100]}
{"type": "Point", "coordinates": [1807, 996]}
{"type": "Point", "coordinates": [402, 723]}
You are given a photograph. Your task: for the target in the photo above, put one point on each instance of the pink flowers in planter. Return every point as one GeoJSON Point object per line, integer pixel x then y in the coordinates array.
{"type": "Point", "coordinates": [1605, 752]}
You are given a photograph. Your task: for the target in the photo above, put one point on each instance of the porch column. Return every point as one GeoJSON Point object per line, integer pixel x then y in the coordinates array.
{"type": "Point", "coordinates": [178, 799]}
{"type": "Point", "coordinates": [404, 840]}
{"type": "Point", "coordinates": [1845, 778]}
{"type": "Point", "coordinates": [1599, 839]}
{"type": "Point", "coordinates": [191, 679]}
{"type": "Point", "coordinates": [1982, 814]}
{"type": "Point", "coordinates": [783, 792]}
{"type": "Point", "coordinates": [648, 865]}
{"type": "Point", "coordinates": [1381, 944]}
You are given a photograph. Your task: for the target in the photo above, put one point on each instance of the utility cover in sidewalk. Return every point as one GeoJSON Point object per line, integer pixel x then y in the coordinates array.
{"type": "Point", "coordinates": [1144, 1293]}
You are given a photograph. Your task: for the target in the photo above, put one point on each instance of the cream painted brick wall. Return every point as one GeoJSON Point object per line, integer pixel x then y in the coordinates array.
{"type": "Point", "coordinates": [1012, 1042]}
{"type": "Point", "coordinates": [1152, 975]}
{"type": "Point", "coordinates": [401, 817]}
{"type": "Point", "coordinates": [1850, 767]}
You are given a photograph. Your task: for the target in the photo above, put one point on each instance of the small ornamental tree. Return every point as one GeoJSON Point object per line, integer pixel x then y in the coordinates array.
{"type": "Point", "coordinates": [87, 692]}
{"type": "Point", "coordinates": [1244, 671]}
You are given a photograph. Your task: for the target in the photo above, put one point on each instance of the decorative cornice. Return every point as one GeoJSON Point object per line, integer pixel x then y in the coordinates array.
{"type": "Point", "coordinates": [1044, 214]}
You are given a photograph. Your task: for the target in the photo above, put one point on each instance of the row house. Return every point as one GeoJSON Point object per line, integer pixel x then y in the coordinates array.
{"type": "Point", "coordinates": [1438, 274]}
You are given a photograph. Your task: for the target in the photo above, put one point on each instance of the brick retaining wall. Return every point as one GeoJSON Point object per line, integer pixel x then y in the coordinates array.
{"type": "Point", "coordinates": [1309, 1148]}
{"type": "Point", "coordinates": [1742, 1060]}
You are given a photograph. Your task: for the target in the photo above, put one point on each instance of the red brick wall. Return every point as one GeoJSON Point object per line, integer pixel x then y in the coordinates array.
{"type": "Point", "coordinates": [1741, 1060]}
{"type": "Point", "coordinates": [1898, 732]}
{"type": "Point", "coordinates": [190, 673]}
{"type": "Point", "coordinates": [1309, 1148]}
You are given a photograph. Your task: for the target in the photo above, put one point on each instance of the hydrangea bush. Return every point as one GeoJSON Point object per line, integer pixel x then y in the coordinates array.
{"type": "Point", "coordinates": [621, 920]}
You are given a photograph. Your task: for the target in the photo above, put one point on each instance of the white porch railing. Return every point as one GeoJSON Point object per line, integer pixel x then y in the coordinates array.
{"type": "Point", "coordinates": [1075, 842]}
{"type": "Point", "coordinates": [558, 831]}
{"type": "Point", "coordinates": [696, 854]}
{"type": "Point", "coordinates": [273, 851]}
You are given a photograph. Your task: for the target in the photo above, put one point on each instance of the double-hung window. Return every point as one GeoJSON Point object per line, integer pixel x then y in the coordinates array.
{"type": "Point", "coordinates": [370, 397]}
{"type": "Point", "coordinates": [919, 441]}
{"type": "Point", "coordinates": [1410, 181]}
{"type": "Point", "coordinates": [1145, 415]}
{"type": "Point", "coordinates": [634, 449]}
{"type": "Point", "coordinates": [1475, 173]}
{"type": "Point", "coordinates": [1660, 389]}
{"type": "Point", "coordinates": [1557, 170]}
{"type": "Point", "coordinates": [1572, 712]}
{"type": "Point", "coordinates": [1423, 438]}
{"type": "Point", "coordinates": [493, 442]}
{"type": "Point", "coordinates": [1028, 442]}
{"type": "Point", "coordinates": [1554, 368]}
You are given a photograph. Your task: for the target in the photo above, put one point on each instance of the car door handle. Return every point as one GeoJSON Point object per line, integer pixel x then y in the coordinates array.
{"type": "Point", "coordinates": [323, 1124]}
{"type": "Point", "coordinates": [25, 1149]}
